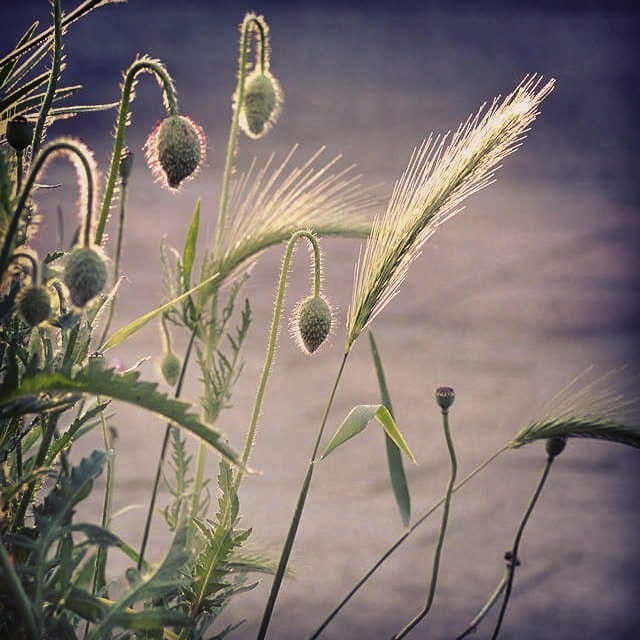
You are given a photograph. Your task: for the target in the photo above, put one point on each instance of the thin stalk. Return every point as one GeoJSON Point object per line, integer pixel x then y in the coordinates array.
{"type": "Point", "coordinates": [441, 535]}
{"type": "Point", "coordinates": [56, 64]}
{"type": "Point", "coordinates": [164, 79]}
{"type": "Point", "coordinates": [250, 22]}
{"type": "Point", "coordinates": [18, 595]}
{"type": "Point", "coordinates": [19, 170]}
{"type": "Point", "coordinates": [273, 337]}
{"type": "Point", "coordinates": [297, 515]}
{"type": "Point", "coordinates": [163, 454]}
{"type": "Point", "coordinates": [516, 544]}
{"type": "Point", "coordinates": [400, 540]}
{"type": "Point", "coordinates": [99, 576]}
{"type": "Point", "coordinates": [37, 165]}
{"type": "Point", "coordinates": [472, 627]}
{"type": "Point", "coordinates": [118, 256]}
{"type": "Point", "coordinates": [48, 426]}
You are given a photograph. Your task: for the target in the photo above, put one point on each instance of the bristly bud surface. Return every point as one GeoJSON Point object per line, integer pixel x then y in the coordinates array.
{"type": "Point", "coordinates": [85, 274]}
{"type": "Point", "coordinates": [261, 105]}
{"type": "Point", "coordinates": [312, 324]}
{"type": "Point", "coordinates": [34, 305]}
{"type": "Point", "coordinates": [175, 150]}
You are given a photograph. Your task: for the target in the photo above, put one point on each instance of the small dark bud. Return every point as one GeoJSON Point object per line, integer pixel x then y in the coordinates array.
{"type": "Point", "coordinates": [126, 165]}
{"type": "Point", "coordinates": [555, 446]}
{"type": "Point", "coordinates": [19, 133]}
{"type": "Point", "coordinates": [445, 397]}
{"type": "Point", "coordinates": [508, 556]}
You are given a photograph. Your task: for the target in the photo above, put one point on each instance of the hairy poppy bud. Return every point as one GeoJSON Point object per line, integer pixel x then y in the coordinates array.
{"type": "Point", "coordinates": [555, 446]}
{"type": "Point", "coordinates": [19, 133]}
{"type": "Point", "coordinates": [34, 305]}
{"type": "Point", "coordinates": [261, 104]}
{"type": "Point", "coordinates": [313, 318]}
{"type": "Point", "coordinates": [85, 274]}
{"type": "Point", "coordinates": [126, 165]}
{"type": "Point", "coordinates": [175, 150]}
{"type": "Point", "coordinates": [170, 367]}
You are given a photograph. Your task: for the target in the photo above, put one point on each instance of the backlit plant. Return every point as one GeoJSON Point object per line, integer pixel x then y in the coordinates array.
{"type": "Point", "coordinates": [57, 384]}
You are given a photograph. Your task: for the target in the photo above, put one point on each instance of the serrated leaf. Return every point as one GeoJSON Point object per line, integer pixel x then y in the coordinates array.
{"type": "Point", "coordinates": [359, 417]}
{"type": "Point", "coordinates": [189, 253]}
{"type": "Point", "coordinates": [126, 387]}
{"type": "Point", "coordinates": [397, 475]}
{"type": "Point", "coordinates": [128, 330]}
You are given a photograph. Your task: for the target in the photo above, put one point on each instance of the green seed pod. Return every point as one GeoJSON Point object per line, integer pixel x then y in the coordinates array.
{"type": "Point", "coordinates": [85, 274]}
{"type": "Point", "coordinates": [445, 397]}
{"type": "Point", "coordinates": [170, 367]}
{"type": "Point", "coordinates": [314, 320]}
{"type": "Point", "coordinates": [19, 133]}
{"type": "Point", "coordinates": [261, 104]}
{"type": "Point", "coordinates": [175, 150]}
{"type": "Point", "coordinates": [34, 305]}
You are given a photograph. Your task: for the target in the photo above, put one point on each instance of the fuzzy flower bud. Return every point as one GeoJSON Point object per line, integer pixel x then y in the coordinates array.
{"type": "Point", "coordinates": [261, 104]}
{"type": "Point", "coordinates": [34, 305]}
{"type": "Point", "coordinates": [85, 274]}
{"type": "Point", "coordinates": [19, 133]}
{"type": "Point", "coordinates": [555, 446]}
{"type": "Point", "coordinates": [175, 150]}
{"type": "Point", "coordinates": [170, 367]}
{"type": "Point", "coordinates": [313, 321]}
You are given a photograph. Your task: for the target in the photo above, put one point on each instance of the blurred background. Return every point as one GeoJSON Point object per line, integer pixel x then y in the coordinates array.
{"type": "Point", "coordinates": [534, 282]}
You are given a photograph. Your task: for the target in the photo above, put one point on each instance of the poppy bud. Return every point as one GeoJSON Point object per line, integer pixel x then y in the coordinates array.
{"type": "Point", "coordinates": [445, 397]}
{"type": "Point", "coordinates": [85, 274]}
{"type": "Point", "coordinates": [34, 305]}
{"type": "Point", "coordinates": [19, 133]}
{"type": "Point", "coordinates": [261, 104]}
{"type": "Point", "coordinates": [175, 150]}
{"type": "Point", "coordinates": [314, 319]}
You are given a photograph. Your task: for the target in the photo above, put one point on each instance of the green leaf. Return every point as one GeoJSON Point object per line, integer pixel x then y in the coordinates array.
{"type": "Point", "coordinates": [394, 458]}
{"type": "Point", "coordinates": [128, 330]}
{"type": "Point", "coordinates": [189, 253]}
{"type": "Point", "coordinates": [359, 417]}
{"type": "Point", "coordinates": [99, 381]}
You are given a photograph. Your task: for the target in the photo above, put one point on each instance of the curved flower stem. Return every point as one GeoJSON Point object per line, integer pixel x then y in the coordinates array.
{"type": "Point", "coordinates": [118, 256]}
{"type": "Point", "coordinates": [516, 544]}
{"type": "Point", "coordinates": [56, 65]}
{"type": "Point", "coordinates": [79, 153]}
{"type": "Point", "coordinates": [401, 539]}
{"type": "Point", "coordinates": [441, 535]}
{"type": "Point", "coordinates": [249, 23]}
{"type": "Point", "coordinates": [163, 454]}
{"type": "Point", "coordinates": [273, 337]}
{"type": "Point", "coordinates": [171, 105]}
{"type": "Point", "coordinates": [297, 514]}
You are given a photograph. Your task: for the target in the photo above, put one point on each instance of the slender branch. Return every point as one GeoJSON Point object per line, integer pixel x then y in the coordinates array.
{"type": "Point", "coordinates": [273, 338]}
{"type": "Point", "coordinates": [297, 515]}
{"type": "Point", "coordinates": [250, 22]}
{"type": "Point", "coordinates": [163, 454]}
{"type": "Point", "coordinates": [165, 81]}
{"type": "Point", "coordinates": [400, 540]}
{"type": "Point", "coordinates": [443, 523]}
{"type": "Point", "coordinates": [516, 544]}
{"type": "Point", "coordinates": [56, 65]}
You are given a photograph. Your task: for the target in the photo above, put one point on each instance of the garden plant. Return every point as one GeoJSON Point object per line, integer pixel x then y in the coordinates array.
{"type": "Point", "coordinates": [59, 322]}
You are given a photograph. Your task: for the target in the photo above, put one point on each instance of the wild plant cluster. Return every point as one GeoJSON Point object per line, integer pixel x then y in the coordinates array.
{"type": "Point", "coordinates": [57, 313]}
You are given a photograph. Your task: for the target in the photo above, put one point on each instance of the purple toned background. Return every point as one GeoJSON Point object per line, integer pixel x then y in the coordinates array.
{"type": "Point", "coordinates": [535, 281]}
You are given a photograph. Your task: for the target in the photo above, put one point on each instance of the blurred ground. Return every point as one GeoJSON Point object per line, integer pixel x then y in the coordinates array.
{"type": "Point", "coordinates": [534, 282]}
